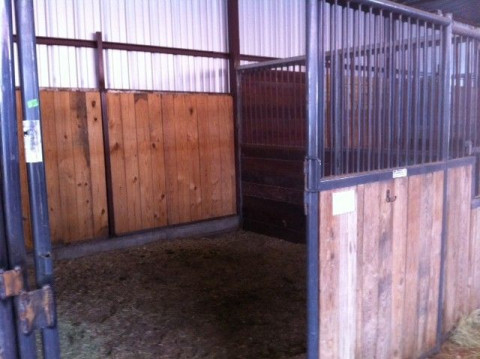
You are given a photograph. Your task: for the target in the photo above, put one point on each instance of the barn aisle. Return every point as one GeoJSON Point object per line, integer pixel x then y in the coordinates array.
{"type": "Point", "coordinates": [238, 295]}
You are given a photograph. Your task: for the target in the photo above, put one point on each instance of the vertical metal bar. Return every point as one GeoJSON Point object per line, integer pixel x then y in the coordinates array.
{"type": "Point", "coordinates": [339, 89]}
{"type": "Point", "coordinates": [347, 57]}
{"type": "Point", "coordinates": [314, 145]}
{"type": "Point", "coordinates": [37, 184]}
{"type": "Point", "coordinates": [457, 97]}
{"type": "Point", "coordinates": [8, 342]}
{"type": "Point", "coordinates": [416, 119]}
{"type": "Point", "coordinates": [425, 94]}
{"type": "Point", "coordinates": [380, 89]}
{"type": "Point", "coordinates": [8, 122]}
{"type": "Point", "coordinates": [391, 86]}
{"type": "Point", "coordinates": [446, 117]}
{"type": "Point", "coordinates": [401, 84]}
{"type": "Point", "coordinates": [362, 53]}
{"type": "Point", "coordinates": [370, 88]}
{"type": "Point", "coordinates": [332, 25]}
{"type": "Point", "coordinates": [105, 133]}
{"type": "Point", "coordinates": [409, 104]}
{"type": "Point", "coordinates": [376, 85]}
{"type": "Point", "coordinates": [431, 120]}
{"type": "Point", "coordinates": [441, 67]}
{"type": "Point", "coordinates": [467, 103]}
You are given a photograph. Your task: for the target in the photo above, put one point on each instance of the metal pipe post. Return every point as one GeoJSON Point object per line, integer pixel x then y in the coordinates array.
{"type": "Point", "coordinates": [34, 158]}
{"type": "Point", "coordinates": [10, 183]}
{"type": "Point", "coordinates": [313, 169]}
{"type": "Point", "coordinates": [447, 57]}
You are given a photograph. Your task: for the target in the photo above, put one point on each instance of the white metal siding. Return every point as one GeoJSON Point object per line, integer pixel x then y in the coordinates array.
{"type": "Point", "coordinates": [273, 28]}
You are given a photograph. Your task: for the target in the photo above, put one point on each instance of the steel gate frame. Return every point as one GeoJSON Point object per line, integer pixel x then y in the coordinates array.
{"type": "Point", "coordinates": [22, 311]}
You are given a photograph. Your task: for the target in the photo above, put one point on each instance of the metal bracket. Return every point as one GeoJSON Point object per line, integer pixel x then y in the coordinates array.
{"type": "Point", "coordinates": [311, 171]}
{"type": "Point", "coordinates": [36, 309]}
{"type": "Point", "coordinates": [11, 283]}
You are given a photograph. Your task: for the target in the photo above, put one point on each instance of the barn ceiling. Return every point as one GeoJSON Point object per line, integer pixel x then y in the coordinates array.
{"type": "Point", "coordinates": [467, 11]}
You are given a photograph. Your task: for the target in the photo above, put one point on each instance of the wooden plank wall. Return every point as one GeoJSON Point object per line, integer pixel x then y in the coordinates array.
{"type": "Point", "coordinates": [379, 268]}
{"type": "Point", "coordinates": [74, 165]}
{"type": "Point", "coordinates": [172, 161]}
{"type": "Point", "coordinates": [462, 274]}
{"type": "Point", "coordinates": [172, 158]}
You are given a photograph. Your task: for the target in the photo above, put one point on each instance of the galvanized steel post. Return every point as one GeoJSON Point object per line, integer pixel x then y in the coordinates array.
{"type": "Point", "coordinates": [34, 158]}
{"type": "Point", "coordinates": [10, 183]}
{"type": "Point", "coordinates": [314, 72]}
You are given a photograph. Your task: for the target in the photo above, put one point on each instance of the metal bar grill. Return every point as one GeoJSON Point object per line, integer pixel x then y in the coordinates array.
{"type": "Point", "coordinates": [383, 84]}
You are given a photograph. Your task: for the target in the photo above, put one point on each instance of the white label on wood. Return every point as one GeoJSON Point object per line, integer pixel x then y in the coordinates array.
{"type": "Point", "coordinates": [32, 137]}
{"type": "Point", "coordinates": [343, 202]}
{"type": "Point", "coordinates": [400, 173]}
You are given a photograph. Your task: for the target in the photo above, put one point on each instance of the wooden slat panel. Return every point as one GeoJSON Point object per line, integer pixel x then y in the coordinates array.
{"type": "Point", "coordinates": [385, 233]}
{"type": "Point", "coordinates": [66, 166]}
{"type": "Point", "coordinates": [145, 167]}
{"type": "Point", "coordinates": [458, 226]}
{"type": "Point", "coordinates": [412, 264]}
{"type": "Point", "coordinates": [129, 125]}
{"type": "Point", "coordinates": [399, 252]}
{"type": "Point", "coordinates": [475, 262]}
{"type": "Point", "coordinates": [329, 276]}
{"type": "Point", "coordinates": [193, 158]}
{"type": "Point", "coordinates": [171, 159]}
{"type": "Point", "coordinates": [183, 161]}
{"type": "Point", "coordinates": [360, 264]}
{"type": "Point", "coordinates": [206, 144]}
{"type": "Point", "coordinates": [369, 275]}
{"type": "Point", "coordinates": [119, 185]}
{"type": "Point", "coordinates": [390, 309]}
{"type": "Point", "coordinates": [97, 165]}
{"type": "Point", "coordinates": [81, 164]}
{"type": "Point", "coordinates": [425, 242]}
{"type": "Point", "coordinates": [347, 237]}
{"type": "Point", "coordinates": [158, 160]}
{"type": "Point", "coordinates": [434, 248]}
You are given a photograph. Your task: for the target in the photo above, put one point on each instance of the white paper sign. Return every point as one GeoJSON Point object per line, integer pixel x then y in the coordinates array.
{"type": "Point", "coordinates": [399, 173]}
{"type": "Point", "coordinates": [343, 202]}
{"type": "Point", "coordinates": [32, 137]}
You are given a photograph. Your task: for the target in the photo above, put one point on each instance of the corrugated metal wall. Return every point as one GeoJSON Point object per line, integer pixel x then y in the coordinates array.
{"type": "Point", "coordinates": [274, 28]}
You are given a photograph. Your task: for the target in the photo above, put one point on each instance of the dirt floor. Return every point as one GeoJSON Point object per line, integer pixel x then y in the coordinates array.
{"type": "Point", "coordinates": [238, 295]}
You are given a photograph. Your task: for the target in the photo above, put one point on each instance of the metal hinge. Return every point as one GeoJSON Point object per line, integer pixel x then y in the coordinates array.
{"type": "Point", "coordinates": [311, 171]}
{"type": "Point", "coordinates": [11, 283]}
{"type": "Point", "coordinates": [35, 309]}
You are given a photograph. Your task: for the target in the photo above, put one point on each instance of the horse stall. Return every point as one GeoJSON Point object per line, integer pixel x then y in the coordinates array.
{"type": "Point", "coordinates": [385, 153]}
{"type": "Point", "coordinates": [205, 202]}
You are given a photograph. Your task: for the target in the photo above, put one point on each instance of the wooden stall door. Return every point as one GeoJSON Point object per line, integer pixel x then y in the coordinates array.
{"type": "Point", "coordinates": [379, 268]}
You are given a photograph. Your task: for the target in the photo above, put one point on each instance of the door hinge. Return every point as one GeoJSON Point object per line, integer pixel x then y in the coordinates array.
{"type": "Point", "coordinates": [11, 283]}
{"type": "Point", "coordinates": [35, 309]}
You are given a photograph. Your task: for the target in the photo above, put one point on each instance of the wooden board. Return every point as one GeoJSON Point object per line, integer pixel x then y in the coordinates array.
{"type": "Point", "coordinates": [380, 269]}
{"type": "Point", "coordinates": [168, 162]}
{"type": "Point", "coordinates": [172, 161]}
{"type": "Point", "coordinates": [457, 291]}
